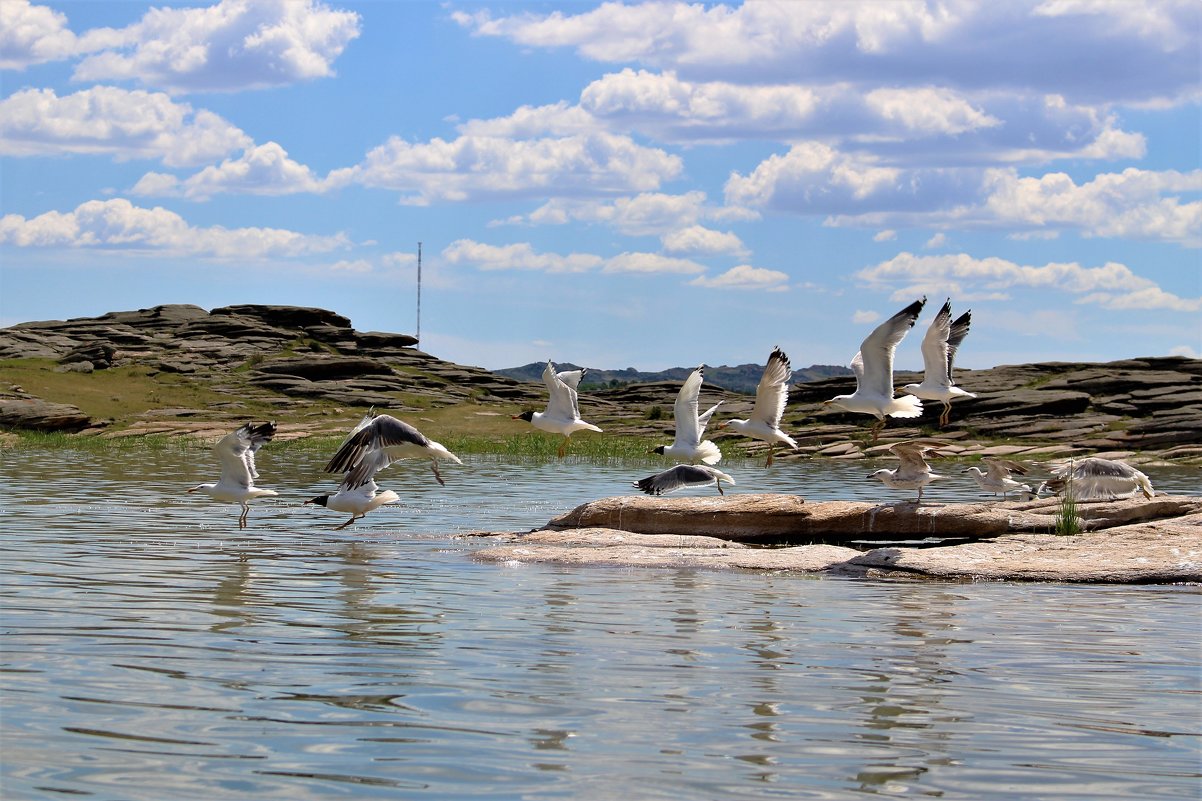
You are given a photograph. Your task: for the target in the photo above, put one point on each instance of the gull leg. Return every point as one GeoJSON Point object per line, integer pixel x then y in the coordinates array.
{"type": "Point", "coordinates": [347, 523]}
{"type": "Point", "coordinates": [945, 418]}
{"type": "Point", "coordinates": [718, 484]}
{"type": "Point", "coordinates": [242, 517]}
{"type": "Point", "coordinates": [437, 475]}
{"type": "Point", "coordinates": [771, 447]}
{"type": "Point", "coordinates": [877, 427]}
{"type": "Point", "coordinates": [563, 447]}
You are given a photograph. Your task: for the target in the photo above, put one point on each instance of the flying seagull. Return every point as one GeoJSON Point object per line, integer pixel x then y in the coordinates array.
{"type": "Point", "coordinates": [690, 426]}
{"type": "Point", "coordinates": [1091, 478]}
{"type": "Point", "coordinates": [563, 409]}
{"type": "Point", "coordinates": [938, 351]}
{"type": "Point", "coordinates": [236, 451]}
{"type": "Point", "coordinates": [873, 366]}
{"type": "Point", "coordinates": [358, 493]}
{"type": "Point", "coordinates": [683, 475]}
{"type": "Point", "coordinates": [913, 472]}
{"type": "Point", "coordinates": [771, 395]}
{"type": "Point", "coordinates": [393, 438]}
{"type": "Point", "coordinates": [996, 478]}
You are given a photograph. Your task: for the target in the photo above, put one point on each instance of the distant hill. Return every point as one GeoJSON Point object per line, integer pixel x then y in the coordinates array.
{"type": "Point", "coordinates": [740, 378]}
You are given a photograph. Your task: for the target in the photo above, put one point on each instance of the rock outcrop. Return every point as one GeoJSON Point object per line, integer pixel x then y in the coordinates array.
{"type": "Point", "coordinates": [1126, 541]}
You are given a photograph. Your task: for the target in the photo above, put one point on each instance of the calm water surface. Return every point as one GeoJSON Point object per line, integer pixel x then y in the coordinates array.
{"type": "Point", "coordinates": [150, 650]}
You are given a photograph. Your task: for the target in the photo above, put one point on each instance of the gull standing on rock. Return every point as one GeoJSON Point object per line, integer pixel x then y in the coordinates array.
{"type": "Point", "coordinates": [771, 395]}
{"type": "Point", "coordinates": [913, 472]}
{"type": "Point", "coordinates": [683, 475]}
{"type": "Point", "coordinates": [873, 366]}
{"type": "Point", "coordinates": [1094, 478]}
{"type": "Point", "coordinates": [237, 453]}
{"type": "Point", "coordinates": [996, 476]}
{"type": "Point", "coordinates": [563, 407]}
{"type": "Point", "coordinates": [394, 439]}
{"type": "Point", "coordinates": [690, 426]}
{"type": "Point", "coordinates": [938, 350]}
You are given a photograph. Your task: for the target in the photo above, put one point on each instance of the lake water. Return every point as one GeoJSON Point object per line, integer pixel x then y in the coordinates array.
{"type": "Point", "coordinates": [151, 650]}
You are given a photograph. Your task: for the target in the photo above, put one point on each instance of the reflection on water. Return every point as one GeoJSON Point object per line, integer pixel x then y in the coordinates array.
{"type": "Point", "coordinates": [150, 650]}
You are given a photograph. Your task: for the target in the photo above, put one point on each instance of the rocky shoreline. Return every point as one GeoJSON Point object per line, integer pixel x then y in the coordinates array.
{"type": "Point", "coordinates": [1124, 541]}
{"type": "Point", "coordinates": [291, 359]}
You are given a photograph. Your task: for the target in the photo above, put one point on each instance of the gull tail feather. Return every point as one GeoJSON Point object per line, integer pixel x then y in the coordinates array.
{"type": "Point", "coordinates": [905, 406]}
{"type": "Point", "coordinates": [709, 452]}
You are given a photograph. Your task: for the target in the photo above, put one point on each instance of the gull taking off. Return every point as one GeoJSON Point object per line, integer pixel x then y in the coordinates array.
{"type": "Point", "coordinates": [771, 395]}
{"type": "Point", "coordinates": [938, 350]}
{"type": "Point", "coordinates": [563, 409]}
{"type": "Point", "coordinates": [394, 439]}
{"type": "Point", "coordinates": [690, 426]}
{"type": "Point", "coordinates": [358, 493]}
{"type": "Point", "coordinates": [873, 366]}
{"type": "Point", "coordinates": [237, 453]}
{"type": "Point", "coordinates": [1094, 478]}
{"type": "Point", "coordinates": [913, 472]}
{"type": "Point", "coordinates": [996, 476]}
{"type": "Point", "coordinates": [683, 475]}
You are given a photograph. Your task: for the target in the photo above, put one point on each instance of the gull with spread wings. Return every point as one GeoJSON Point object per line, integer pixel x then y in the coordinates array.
{"type": "Point", "coordinates": [771, 395]}
{"type": "Point", "coordinates": [236, 451]}
{"type": "Point", "coordinates": [938, 351]}
{"type": "Point", "coordinates": [562, 415]}
{"type": "Point", "coordinates": [690, 426]}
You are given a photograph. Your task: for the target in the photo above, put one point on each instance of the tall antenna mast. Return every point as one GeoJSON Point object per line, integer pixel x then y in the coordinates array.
{"type": "Point", "coordinates": [419, 292]}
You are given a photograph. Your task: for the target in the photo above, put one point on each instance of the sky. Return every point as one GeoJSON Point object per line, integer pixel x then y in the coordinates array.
{"type": "Point", "coordinates": [638, 184]}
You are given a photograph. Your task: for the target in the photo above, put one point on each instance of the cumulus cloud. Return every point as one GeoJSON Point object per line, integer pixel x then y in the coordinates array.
{"type": "Point", "coordinates": [648, 263]}
{"type": "Point", "coordinates": [863, 317]}
{"type": "Point", "coordinates": [887, 235]}
{"type": "Point", "coordinates": [32, 34]}
{"type": "Point", "coordinates": [648, 213]}
{"type": "Point", "coordinates": [517, 256]}
{"type": "Point", "coordinates": [117, 224]}
{"type": "Point", "coordinates": [230, 46]}
{"type": "Point", "coordinates": [1112, 285]}
{"type": "Point", "coordinates": [936, 241]}
{"type": "Point", "coordinates": [698, 240]}
{"type": "Point", "coordinates": [744, 276]}
{"type": "Point", "coordinates": [260, 170]}
{"type": "Point", "coordinates": [478, 167]}
{"type": "Point", "coordinates": [116, 122]}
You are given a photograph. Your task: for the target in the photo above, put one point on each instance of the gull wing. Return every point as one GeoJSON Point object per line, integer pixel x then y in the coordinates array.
{"type": "Point", "coordinates": [688, 426]}
{"type": "Point", "coordinates": [936, 357]}
{"type": "Point", "coordinates": [772, 393]}
{"type": "Point", "coordinates": [561, 400]}
{"type": "Point", "coordinates": [959, 331]}
{"type": "Point", "coordinates": [572, 377]}
{"type": "Point", "coordinates": [1002, 468]}
{"type": "Point", "coordinates": [236, 451]}
{"type": "Point", "coordinates": [876, 351]}
{"type": "Point", "coordinates": [911, 456]}
{"type": "Point", "coordinates": [362, 476]}
{"type": "Point", "coordinates": [682, 475]}
{"type": "Point", "coordinates": [381, 432]}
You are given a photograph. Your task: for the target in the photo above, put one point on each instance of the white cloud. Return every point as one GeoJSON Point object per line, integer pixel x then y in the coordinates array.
{"type": "Point", "coordinates": [928, 110]}
{"type": "Point", "coordinates": [119, 225]}
{"type": "Point", "coordinates": [1112, 286]}
{"type": "Point", "coordinates": [645, 214]}
{"type": "Point", "coordinates": [863, 317]}
{"type": "Point", "coordinates": [936, 241]}
{"type": "Point", "coordinates": [32, 34]}
{"type": "Point", "coordinates": [472, 167]}
{"type": "Point", "coordinates": [701, 241]}
{"type": "Point", "coordinates": [116, 122]}
{"type": "Point", "coordinates": [517, 256]}
{"type": "Point", "coordinates": [230, 46]}
{"type": "Point", "coordinates": [887, 235]}
{"type": "Point", "coordinates": [647, 263]}
{"type": "Point", "coordinates": [352, 266]}
{"type": "Point", "coordinates": [744, 276]}
{"type": "Point", "coordinates": [1187, 351]}
{"type": "Point", "coordinates": [260, 170]}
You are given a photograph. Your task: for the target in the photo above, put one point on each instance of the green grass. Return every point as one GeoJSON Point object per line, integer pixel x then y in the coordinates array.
{"type": "Point", "coordinates": [1067, 522]}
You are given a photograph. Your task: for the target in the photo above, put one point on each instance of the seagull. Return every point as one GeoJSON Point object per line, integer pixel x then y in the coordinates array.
{"type": "Point", "coordinates": [938, 350]}
{"type": "Point", "coordinates": [358, 493]}
{"type": "Point", "coordinates": [563, 409]}
{"type": "Point", "coordinates": [996, 476]}
{"type": "Point", "coordinates": [1092, 478]}
{"type": "Point", "coordinates": [690, 426]}
{"type": "Point", "coordinates": [394, 438]}
{"type": "Point", "coordinates": [683, 475]}
{"type": "Point", "coordinates": [913, 472]}
{"type": "Point", "coordinates": [237, 453]}
{"type": "Point", "coordinates": [771, 395]}
{"type": "Point", "coordinates": [873, 366]}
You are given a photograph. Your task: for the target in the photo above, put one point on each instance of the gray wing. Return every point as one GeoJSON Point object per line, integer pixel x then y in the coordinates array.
{"type": "Point", "coordinates": [364, 472]}
{"type": "Point", "coordinates": [912, 461]}
{"type": "Point", "coordinates": [772, 393]}
{"type": "Point", "coordinates": [935, 357]}
{"type": "Point", "coordinates": [672, 479]}
{"type": "Point", "coordinates": [876, 351]}
{"type": "Point", "coordinates": [958, 332]}
{"type": "Point", "coordinates": [1002, 468]}
{"type": "Point", "coordinates": [237, 452]}
{"type": "Point", "coordinates": [381, 432]}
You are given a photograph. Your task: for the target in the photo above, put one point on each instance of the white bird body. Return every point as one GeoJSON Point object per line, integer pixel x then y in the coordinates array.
{"type": "Point", "coordinates": [683, 475]}
{"type": "Point", "coordinates": [1094, 478]}
{"type": "Point", "coordinates": [690, 426]}
{"type": "Point", "coordinates": [913, 472]}
{"type": "Point", "coordinates": [996, 476]}
{"type": "Point", "coordinates": [873, 368]}
{"type": "Point", "coordinates": [236, 484]}
{"type": "Point", "coordinates": [939, 346]}
{"type": "Point", "coordinates": [771, 396]}
{"type": "Point", "coordinates": [562, 415]}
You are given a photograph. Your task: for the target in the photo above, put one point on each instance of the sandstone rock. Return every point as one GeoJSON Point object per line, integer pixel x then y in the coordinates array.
{"type": "Point", "coordinates": [40, 415]}
{"type": "Point", "coordinates": [284, 316]}
{"type": "Point", "coordinates": [323, 367]}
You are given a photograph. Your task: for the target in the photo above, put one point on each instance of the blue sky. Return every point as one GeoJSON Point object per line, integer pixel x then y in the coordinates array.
{"type": "Point", "coordinates": [616, 184]}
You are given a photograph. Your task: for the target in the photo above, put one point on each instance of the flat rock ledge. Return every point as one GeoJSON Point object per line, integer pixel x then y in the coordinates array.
{"type": "Point", "coordinates": [1125, 541]}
